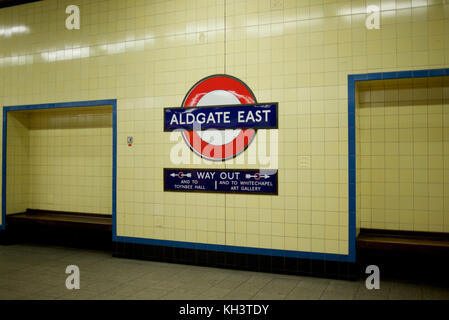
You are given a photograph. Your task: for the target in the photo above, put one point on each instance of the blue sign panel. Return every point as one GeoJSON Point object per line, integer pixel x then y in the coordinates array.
{"type": "Point", "coordinates": [256, 116]}
{"type": "Point", "coordinates": [221, 180]}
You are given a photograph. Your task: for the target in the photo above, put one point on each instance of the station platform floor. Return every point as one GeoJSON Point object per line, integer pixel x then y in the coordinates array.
{"type": "Point", "coordinates": [37, 271]}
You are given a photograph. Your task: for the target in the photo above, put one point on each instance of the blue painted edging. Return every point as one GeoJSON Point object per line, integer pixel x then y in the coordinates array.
{"type": "Point", "coordinates": [352, 80]}
{"type": "Point", "coordinates": [4, 131]}
{"type": "Point", "coordinates": [234, 249]}
{"type": "Point", "coordinates": [94, 103]}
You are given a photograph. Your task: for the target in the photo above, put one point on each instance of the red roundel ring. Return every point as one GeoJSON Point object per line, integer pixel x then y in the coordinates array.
{"type": "Point", "coordinates": [231, 89]}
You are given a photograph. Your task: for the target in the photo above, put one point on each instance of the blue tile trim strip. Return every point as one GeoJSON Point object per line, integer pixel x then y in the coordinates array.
{"type": "Point", "coordinates": [235, 249]}
{"type": "Point", "coordinates": [351, 165]}
{"type": "Point", "coordinates": [352, 81]}
{"type": "Point", "coordinates": [95, 103]}
{"type": "Point", "coordinates": [4, 139]}
{"type": "Point", "coordinates": [114, 169]}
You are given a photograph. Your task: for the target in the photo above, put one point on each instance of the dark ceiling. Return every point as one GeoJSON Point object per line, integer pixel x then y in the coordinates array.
{"type": "Point", "coordinates": [11, 3]}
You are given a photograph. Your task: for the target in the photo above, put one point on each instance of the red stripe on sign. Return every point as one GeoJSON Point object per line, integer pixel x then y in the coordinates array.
{"type": "Point", "coordinates": [241, 142]}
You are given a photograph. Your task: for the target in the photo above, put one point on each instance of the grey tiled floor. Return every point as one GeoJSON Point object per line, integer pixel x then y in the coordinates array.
{"type": "Point", "coordinates": [38, 272]}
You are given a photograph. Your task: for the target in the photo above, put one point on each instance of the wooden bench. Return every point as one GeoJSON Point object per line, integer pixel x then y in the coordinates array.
{"type": "Point", "coordinates": [417, 256]}
{"type": "Point", "coordinates": [61, 219]}
{"type": "Point", "coordinates": [59, 227]}
{"type": "Point", "coordinates": [404, 241]}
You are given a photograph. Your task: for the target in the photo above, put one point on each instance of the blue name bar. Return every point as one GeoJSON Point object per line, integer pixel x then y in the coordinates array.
{"type": "Point", "coordinates": [257, 116]}
{"type": "Point", "coordinates": [222, 180]}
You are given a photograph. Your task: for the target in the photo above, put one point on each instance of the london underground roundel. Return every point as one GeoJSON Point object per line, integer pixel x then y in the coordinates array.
{"type": "Point", "coordinates": [219, 90]}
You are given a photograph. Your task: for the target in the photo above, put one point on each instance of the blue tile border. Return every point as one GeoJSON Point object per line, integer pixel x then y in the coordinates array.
{"type": "Point", "coordinates": [234, 249]}
{"type": "Point", "coordinates": [94, 103]}
{"type": "Point", "coordinates": [352, 81]}
{"type": "Point", "coordinates": [4, 139]}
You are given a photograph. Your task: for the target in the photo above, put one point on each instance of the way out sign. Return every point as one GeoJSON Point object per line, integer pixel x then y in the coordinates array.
{"type": "Point", "coordinates": [221, 180]}
{"type": "Point", "coordinates": [219, 117]}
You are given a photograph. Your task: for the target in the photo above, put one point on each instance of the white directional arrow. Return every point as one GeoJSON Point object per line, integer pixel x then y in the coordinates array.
{"type": "Point", "coordinates": [265, 176]}
{"type": "Point", "coordinates": [181, 175]}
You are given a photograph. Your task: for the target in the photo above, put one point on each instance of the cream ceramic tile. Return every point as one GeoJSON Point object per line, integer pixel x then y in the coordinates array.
{"type": "Point", "coordinates": [401, 175]}
{"type": "Point", "coordinates": [60, 160]}
{"type": "Point", "coordinates": [148, 54]}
